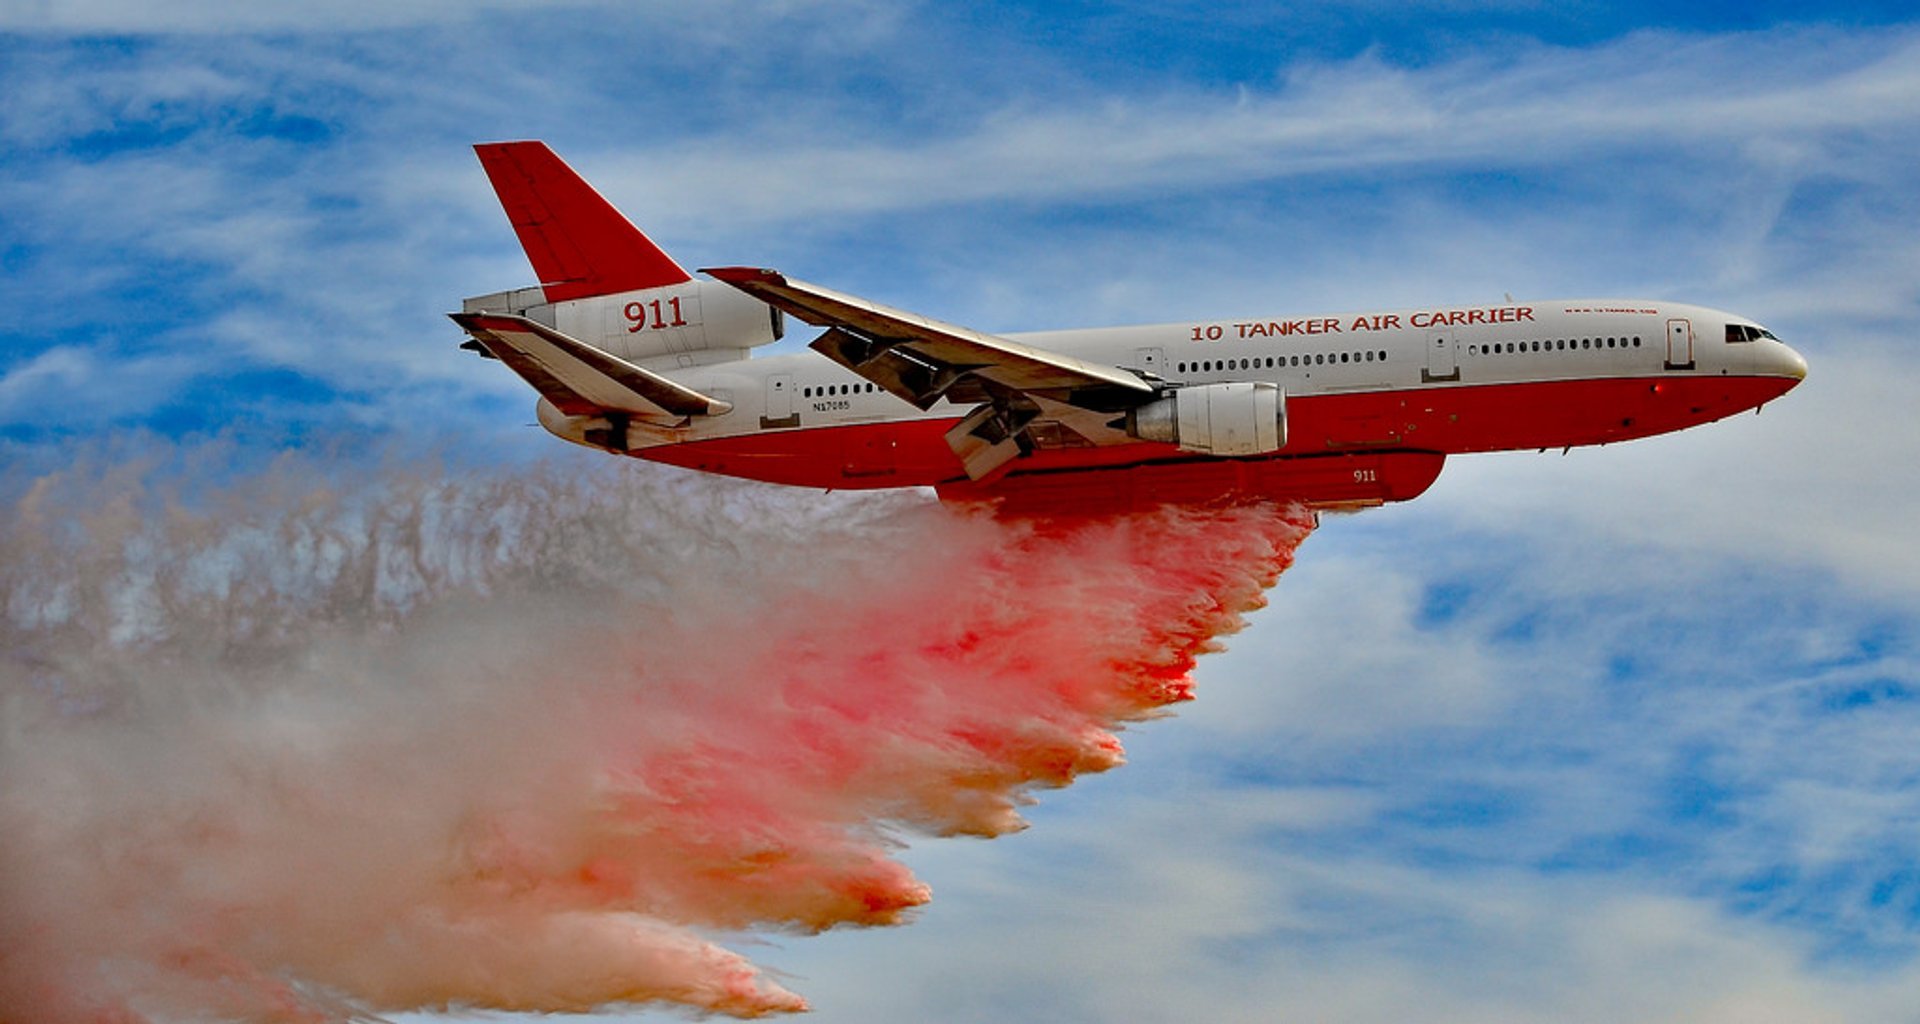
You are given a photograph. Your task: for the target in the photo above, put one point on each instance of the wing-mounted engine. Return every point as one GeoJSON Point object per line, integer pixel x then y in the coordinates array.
{"type": "Point", "coordinates": [1238, 418]}
{"type": "Point", "coordinates": [685, 324]}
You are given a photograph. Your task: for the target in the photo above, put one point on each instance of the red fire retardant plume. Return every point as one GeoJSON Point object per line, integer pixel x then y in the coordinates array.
{"type": "Point", "coordinates": [289, 751]}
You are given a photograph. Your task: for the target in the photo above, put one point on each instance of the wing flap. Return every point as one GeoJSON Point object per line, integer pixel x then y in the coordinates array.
{"type": "Point", "coordinates": [577, 378]}
{"type": "Point", "coordinates": [899, 369]}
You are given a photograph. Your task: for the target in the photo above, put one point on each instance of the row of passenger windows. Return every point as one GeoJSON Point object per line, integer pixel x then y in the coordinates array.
{"type": "Point", "coordinates": [1278, 362]}
{"type": "Point", "coordinates": [1556, 345]}
{"type": "Point", "coordinates": [826, 390]}
{"type": "Point", "coordinates": [1319, 359]}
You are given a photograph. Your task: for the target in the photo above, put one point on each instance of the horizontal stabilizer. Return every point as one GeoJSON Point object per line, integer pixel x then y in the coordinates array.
{"type": "Point", "coordinates": [577, 378]}
{"type": "Point", "coordinates": [578, 243]}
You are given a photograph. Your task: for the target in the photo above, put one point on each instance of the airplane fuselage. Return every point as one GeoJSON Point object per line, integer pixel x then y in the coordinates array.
{"type": "Point", "coordinates": [1356, 386]}
{"type": "Point", "coordinates": [634, 355]}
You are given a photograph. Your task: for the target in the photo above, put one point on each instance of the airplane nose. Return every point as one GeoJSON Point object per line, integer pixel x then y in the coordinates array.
{"type": "Point", "coordinates": [1794, 364]}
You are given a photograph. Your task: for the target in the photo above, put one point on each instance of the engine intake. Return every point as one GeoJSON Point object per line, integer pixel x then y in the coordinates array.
{"type": "Point", "coordinates": [1238, 418]}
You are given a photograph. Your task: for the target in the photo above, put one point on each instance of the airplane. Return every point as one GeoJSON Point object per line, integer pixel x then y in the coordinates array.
{"type": "Point", "coordinates": [633, 355]}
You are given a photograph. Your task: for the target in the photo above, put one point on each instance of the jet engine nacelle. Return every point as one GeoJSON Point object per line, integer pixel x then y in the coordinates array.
{"type": "Point", "coordinates": [605, 433]}
{"type": "Point", "coordinates": [684, 324]}
{"type": "Point", "coordinates": [1239, 418]}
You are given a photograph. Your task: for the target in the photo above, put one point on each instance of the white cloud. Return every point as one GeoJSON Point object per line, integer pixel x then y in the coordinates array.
{"type": "Point", "coordinates": [78, 386]}
{"type": "Point", "coordinates": [1210, 907]}
{"type": "Point", "coordinates": [1823, 477]}
{"type": "Point", "coordinates": [1338, 657]}
{"type": "Point", "coordinates": [1725, 102]}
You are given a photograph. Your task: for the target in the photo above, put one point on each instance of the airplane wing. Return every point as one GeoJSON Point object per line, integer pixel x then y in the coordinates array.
{"type": "Point", "coordinates": [1023, 396]}
{"type": "Point", "coordinates": [924, 360]}
{"type": "Point", "coordinates": [577, 378]}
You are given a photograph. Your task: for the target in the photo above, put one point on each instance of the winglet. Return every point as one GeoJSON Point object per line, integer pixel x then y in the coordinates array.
{"type": "Point", "coordinates": [578, 243]}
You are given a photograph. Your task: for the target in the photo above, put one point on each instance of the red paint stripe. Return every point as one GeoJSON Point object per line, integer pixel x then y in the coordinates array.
{"type": "Point", "coordinates": [1443, 420]}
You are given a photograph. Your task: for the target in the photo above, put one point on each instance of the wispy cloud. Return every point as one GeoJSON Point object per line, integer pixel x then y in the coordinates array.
{"type": "Point", "coordinates": [1719, 102]}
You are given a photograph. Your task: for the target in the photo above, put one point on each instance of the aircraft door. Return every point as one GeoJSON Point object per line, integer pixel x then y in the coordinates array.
{"type": "Point", "coordinates": [779, 403]}
{"type": "Point", "coordinates": [1442, 361]}
{"type": "Point", "coordinates": [1152, 360]}
{"type": "Point", "coordinates": [1679, 345]}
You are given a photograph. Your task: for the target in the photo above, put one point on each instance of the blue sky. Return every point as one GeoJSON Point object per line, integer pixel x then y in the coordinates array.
{"type": "Point", "coordinates": [1629, 734]}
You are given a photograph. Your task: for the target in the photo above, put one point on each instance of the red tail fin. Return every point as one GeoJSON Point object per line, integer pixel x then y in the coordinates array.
{"type": "Point", "coordinates": [577, 242]}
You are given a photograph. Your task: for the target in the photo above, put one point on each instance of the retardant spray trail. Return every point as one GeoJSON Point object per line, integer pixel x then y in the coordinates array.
{"type": "Point", "coordinates": [429, 740]}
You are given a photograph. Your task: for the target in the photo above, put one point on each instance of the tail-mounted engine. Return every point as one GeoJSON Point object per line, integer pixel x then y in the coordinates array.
{"type": "Point", "coordinates": [684, 324]}
{"type": "Point", "coordinates": [1241, 418]}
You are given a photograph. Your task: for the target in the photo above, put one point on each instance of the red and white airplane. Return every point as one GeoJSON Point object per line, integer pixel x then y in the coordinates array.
{"type": "Point", "coordinates": [633, 355]}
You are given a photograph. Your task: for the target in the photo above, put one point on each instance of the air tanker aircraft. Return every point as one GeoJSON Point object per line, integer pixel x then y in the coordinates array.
{"type": "Point", "coordinates": [633, 355]}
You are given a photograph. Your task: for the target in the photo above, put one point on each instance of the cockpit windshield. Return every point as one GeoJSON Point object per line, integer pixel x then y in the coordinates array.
{"type": "Point", "coordinates": [1747, 332]}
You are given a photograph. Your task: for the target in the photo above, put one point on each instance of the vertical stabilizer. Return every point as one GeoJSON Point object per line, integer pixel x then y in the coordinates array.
{"type": "Point", "coordinates": [578, 243]}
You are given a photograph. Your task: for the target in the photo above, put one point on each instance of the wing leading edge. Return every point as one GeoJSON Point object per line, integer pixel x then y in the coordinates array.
{"type": "Point", "coordinates": [1014, 387]}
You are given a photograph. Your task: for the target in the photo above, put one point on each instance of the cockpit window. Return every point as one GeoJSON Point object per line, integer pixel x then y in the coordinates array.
{"type": "Point", "coordinates": [1747, 332]}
